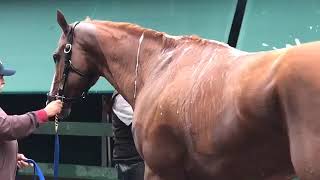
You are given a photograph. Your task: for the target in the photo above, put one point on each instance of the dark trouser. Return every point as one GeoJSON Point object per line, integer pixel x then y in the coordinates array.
{"type": "Point", "coordinates": [127, 160]}
{"type": "Point", "coordinates": [133, 171]}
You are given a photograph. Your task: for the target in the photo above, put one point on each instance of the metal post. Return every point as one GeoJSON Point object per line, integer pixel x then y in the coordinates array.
{"type": "Point", "coordinates": [106, 150]}
{"type": "Point", "coordinates": [103, 138]}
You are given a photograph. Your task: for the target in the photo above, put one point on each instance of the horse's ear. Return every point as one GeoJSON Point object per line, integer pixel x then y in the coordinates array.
{"type": "Point", "coordinates": [62, 22]}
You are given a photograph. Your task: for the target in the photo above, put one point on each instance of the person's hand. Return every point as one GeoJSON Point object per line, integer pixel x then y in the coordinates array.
{"type": "Point", "coordinates": [21, 163]}
{"type": "Point", "coordinates": [53, 108]}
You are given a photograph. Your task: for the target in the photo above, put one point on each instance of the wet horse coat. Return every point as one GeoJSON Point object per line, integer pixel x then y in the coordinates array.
{"type": "Point", "coordinates": [204, 110]}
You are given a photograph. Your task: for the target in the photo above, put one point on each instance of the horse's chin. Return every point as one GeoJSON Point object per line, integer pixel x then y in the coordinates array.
{"type": "Point", "coordinates": [65, 112]}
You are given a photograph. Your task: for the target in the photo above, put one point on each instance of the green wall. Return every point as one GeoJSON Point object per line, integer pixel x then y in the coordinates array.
{"type": "Point", "coordinates": [29, 32]}
{"type": "Point", "coordinates": [269, 24]}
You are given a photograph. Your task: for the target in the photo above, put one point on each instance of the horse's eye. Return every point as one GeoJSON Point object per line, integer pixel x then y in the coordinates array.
{"type": "Point", "coordinates": [56, 57]}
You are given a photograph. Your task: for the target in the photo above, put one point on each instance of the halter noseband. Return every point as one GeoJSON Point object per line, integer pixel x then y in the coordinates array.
{"type": "Point", "coordinates": [68, 67]}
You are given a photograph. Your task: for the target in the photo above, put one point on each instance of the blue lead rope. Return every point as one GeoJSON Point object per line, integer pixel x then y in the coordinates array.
{"type": "Point", "coordinates": [56, 157]}
{"type": "Point", "coordinates": [36, 168]}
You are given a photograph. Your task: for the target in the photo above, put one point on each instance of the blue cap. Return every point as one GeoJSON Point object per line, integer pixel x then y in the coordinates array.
{"type": "Point", "coordinates": [6, 72]}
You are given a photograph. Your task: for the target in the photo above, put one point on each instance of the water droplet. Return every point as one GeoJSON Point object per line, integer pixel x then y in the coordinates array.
{"type": "Point", "coordinates": [288, 45]}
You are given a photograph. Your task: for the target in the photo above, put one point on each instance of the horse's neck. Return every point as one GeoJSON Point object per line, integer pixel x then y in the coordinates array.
{"type": "Point", "coordinates": [133, 55]}
{"type": "Point", "coordinates": [127, 58]}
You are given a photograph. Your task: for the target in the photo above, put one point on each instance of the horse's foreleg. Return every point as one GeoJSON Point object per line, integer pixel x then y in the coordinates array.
{"type": "Point", "coordinates": [149, 175]}
{"type": "Point", "coordinates": [305, 147]}
{"type": "Point", "coordinates": [163, 154]}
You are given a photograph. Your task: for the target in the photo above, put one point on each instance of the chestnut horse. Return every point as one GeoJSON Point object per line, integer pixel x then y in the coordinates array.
{"type": "Point", "coordinates": [202, 109]}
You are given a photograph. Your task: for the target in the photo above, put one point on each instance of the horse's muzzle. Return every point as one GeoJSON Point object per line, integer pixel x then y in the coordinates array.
{"type": "Point", "coordinates": [65, 112]}
{"type": "Point", "coordinates": [50, 98]}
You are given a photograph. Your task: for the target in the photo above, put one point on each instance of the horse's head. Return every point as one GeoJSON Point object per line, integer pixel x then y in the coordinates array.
{"type": "Point", "coordinates": [75, 72]}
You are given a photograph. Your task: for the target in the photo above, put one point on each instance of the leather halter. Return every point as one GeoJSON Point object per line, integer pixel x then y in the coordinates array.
{"type": "Point", "coordinates": [68, 67]}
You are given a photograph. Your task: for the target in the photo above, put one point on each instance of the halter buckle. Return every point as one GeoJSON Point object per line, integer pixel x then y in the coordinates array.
{"type": "Point", "coordinates": [68, 48]}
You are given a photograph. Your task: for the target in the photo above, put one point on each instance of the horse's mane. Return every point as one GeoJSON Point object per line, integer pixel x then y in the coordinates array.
{"type": "Point", "coordinates": [134, 28]}
{"type": "Point", "coordinates": [123, 25]}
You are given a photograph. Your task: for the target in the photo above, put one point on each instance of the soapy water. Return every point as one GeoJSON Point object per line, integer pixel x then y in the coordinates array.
{"type": "Point", "coordinates": [296, 40]}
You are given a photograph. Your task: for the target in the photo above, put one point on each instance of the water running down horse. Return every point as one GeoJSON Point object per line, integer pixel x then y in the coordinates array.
{"type": "Point", "coordinates": [202, 110]}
